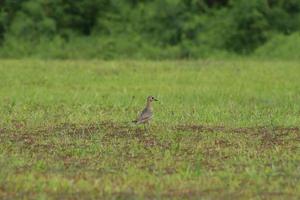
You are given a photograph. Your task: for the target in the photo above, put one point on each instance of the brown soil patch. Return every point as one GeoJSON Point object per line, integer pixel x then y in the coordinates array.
{"type": "Point", "coordinates": [108, 130]}
{"type": "Point", "coordinates": [247, 130]}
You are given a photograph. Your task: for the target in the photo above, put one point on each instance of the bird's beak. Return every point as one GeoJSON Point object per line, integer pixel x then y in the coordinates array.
{"type": "Point", "coordinates": [155, 99]}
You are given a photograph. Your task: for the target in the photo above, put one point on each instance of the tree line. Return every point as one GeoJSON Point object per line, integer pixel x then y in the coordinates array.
{"type": "Point", "coordinates": [139, 28]}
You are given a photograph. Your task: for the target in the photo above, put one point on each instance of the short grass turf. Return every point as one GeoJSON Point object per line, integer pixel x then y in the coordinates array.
{"type": "Point", "coordinates": [221, 130]}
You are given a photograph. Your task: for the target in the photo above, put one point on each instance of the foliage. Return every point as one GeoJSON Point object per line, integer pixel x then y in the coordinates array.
{"type": "Point", "coordinates": [280, 47]}
{"type": "Point", "coordinates": [195, 28]}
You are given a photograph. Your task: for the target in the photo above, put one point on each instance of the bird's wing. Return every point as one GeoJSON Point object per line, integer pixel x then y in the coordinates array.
{"type": "Point", "coordinates": [145, 115]}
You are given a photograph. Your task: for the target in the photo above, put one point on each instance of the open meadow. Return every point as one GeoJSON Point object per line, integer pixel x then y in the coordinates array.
{"type": "Point", "coordinates": [223, 129]}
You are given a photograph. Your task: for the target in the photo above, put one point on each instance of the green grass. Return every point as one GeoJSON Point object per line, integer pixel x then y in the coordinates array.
{"type": "Point", "coordinates": [221, 130]}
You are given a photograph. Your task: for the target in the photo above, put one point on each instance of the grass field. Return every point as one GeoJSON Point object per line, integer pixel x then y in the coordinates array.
{"type": "Point", "coordinates": [221, 130]}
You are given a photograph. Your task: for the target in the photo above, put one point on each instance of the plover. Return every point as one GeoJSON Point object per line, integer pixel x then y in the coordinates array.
{"type": "Point", "coordinates": [146, 115]}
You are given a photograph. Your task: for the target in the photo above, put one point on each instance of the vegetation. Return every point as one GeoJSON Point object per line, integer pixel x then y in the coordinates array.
{"type": "Point", "coordinates": [221, 130]}
{"type": "Point", "coordinates": [226, 126]}
{"type": "Point", "coordinates": [158, 29]}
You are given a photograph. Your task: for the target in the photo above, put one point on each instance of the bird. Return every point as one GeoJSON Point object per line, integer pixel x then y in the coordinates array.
{"type": "Point", "coordinates": [147, 113]}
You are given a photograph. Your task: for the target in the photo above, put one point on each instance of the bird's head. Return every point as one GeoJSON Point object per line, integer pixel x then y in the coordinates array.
{"type": "Point", "coordinates": [151, 99]}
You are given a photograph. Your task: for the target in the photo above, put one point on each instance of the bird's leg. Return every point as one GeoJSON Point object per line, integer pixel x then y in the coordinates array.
{"type": "Point", "coordinates": [147, 125]}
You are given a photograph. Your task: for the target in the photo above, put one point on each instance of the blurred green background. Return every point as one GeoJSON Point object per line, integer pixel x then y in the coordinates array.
{"type": "Point", "coordinates": [149, 29]}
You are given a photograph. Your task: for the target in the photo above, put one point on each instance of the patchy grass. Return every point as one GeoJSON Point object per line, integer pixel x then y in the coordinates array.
{"type": "Point", "coordinates": [221, 130]}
